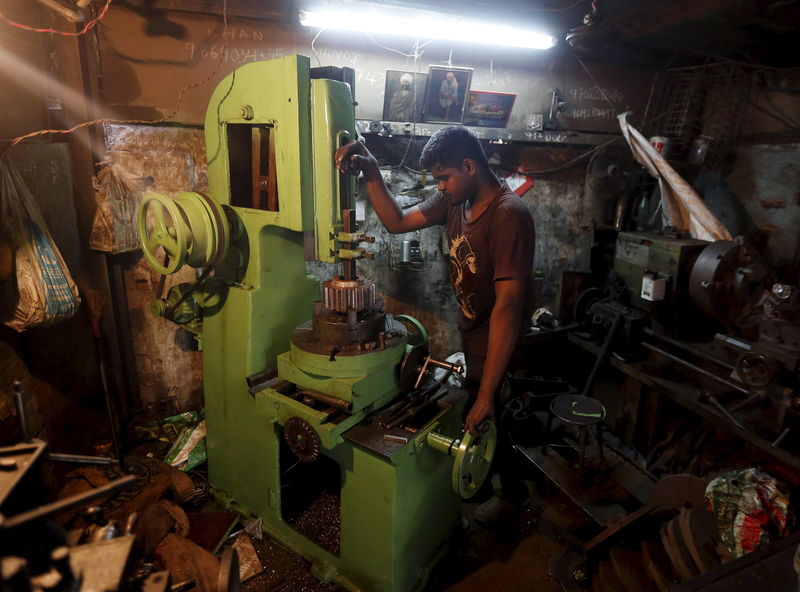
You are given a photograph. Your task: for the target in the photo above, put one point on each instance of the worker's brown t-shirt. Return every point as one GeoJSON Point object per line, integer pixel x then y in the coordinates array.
{"type": "Point", "coordinates": [498, 245]}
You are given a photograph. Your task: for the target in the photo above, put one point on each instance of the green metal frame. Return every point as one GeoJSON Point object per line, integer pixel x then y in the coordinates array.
{"type": "Point", "coordinates": [397, 511]}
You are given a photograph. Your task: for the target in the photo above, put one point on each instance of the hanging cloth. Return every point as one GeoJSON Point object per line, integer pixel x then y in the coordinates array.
{"type": "Point", "coordinates": [680, 205]}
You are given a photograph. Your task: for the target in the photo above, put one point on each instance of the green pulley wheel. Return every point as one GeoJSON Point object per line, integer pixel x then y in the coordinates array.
{"type": "Point", "coordinates": [473, 457]}
{"type": "Point", "coordinates": [191, 228]}
{"type": "Point", "coordinates": [165, 232]}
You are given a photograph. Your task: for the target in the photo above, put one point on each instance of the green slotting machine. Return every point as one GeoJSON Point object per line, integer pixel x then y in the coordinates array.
{"type": "Point", "coordinates": [341, 408]}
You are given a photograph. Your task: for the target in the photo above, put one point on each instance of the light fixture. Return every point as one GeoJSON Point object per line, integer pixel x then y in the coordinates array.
{"type": "Point", "coordinates": [385, 20]}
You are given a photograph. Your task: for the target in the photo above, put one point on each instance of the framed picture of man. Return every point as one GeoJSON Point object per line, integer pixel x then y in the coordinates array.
{"type": "Point", "coordinates": [488, 109]}
{"type": "Point", "coordinates": [404, 97]}
{"type": "Point", "coordinates": [444, 97]}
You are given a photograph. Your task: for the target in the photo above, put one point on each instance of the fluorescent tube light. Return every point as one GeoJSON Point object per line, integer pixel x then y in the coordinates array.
{"type": "Point", "coordinates": [425, 25]}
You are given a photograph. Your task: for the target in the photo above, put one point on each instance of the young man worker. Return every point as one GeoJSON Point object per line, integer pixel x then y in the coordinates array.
{"type": "Point", "coordinates": [490, 233]}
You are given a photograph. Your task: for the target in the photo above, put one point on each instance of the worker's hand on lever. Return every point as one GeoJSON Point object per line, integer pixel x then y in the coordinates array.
{"type": "Point", "coordinates": [482, 410]}
{"type": "Point", "coordinates": [354, 157]}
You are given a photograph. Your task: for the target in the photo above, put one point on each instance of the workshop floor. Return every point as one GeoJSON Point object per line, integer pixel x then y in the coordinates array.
{"type": "Point", "coordinates": [510, 559]}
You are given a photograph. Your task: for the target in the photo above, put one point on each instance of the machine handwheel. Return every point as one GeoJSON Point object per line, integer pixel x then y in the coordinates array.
{"type": "Point", "coordinates": [473, 460]}
{"type": "Point", "coordinates": [168, 232]}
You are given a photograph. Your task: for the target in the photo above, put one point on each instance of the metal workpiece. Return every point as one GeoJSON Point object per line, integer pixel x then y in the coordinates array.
{"type": "Point", "coordinates": [343, 295]}
{"type": "Point", "coordinates": [353, 333]}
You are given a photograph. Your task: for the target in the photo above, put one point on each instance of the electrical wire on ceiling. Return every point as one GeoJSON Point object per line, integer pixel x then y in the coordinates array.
{"type": "Point", "coordinates": [83, 31]}
{"type": "Point", "coordinates": [181, 93]}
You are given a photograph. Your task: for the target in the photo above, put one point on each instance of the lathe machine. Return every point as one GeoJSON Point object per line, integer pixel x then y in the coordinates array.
{"type": "Point", "coordinates": [340, 407]}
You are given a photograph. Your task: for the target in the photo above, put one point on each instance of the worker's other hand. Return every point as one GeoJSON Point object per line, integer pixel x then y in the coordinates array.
{"type": "Point", "coordinates": [354, 157]}
{"type": "Point", "coordinates": [480, 412]}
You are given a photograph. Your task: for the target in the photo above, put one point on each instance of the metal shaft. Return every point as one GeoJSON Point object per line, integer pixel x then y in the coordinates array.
{"type": "Point", "coordinates": [348, 226]}
{"type": "Point", "coordinates": [450, 367]}
{"type": "Point", "coordinates": [687, 348]}
{"type": "Point", "coordinates": [697, 369]}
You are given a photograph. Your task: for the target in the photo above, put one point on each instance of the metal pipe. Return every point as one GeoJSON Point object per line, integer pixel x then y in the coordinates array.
{"type": "Point", "coordinates": [691, 350]}
{"type": "Point", "coordinates": [23, 418]}
{"type": "Point", "coordinates": [697, 369]}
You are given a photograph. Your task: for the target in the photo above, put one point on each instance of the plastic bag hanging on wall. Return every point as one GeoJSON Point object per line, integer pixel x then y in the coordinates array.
{"type": "Point", "coordinates": [40, 290]}
{"type": "Point", "coordinates": [118, 192]}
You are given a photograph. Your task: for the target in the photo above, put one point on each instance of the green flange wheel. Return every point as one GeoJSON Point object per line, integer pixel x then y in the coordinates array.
{"type": "Point", "coordinates": [473, 459]}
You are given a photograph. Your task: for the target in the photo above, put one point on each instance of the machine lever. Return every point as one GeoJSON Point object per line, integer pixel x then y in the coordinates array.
{"type": "Point", "coordinates": [413, 411]}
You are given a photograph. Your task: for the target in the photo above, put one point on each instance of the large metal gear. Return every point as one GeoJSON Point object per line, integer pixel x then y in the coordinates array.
{"type": "Point", "coordinates": [342, 295]}
{"type": "Point", "coordinates": [302, 439]}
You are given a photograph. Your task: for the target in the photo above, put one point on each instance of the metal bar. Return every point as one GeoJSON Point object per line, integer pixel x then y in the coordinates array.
{"type": "Point", "coordinates": [256, 171]}
{"type": "Point", "coordinates": [602, 354]}
{"type": "Point", "coordinates": [327, 399]}
{"type": "Point", "coordinates": [82, 459]}
{"type": "Point", "coordinates": [110, 410]}
{"type": "Point", "coordinates": [684, 347]}
{"type": "Point", "coordinates": [75, 501]}
{"type": "Point", "coordinates": [697, 369]}
{"type": "Point", "coordinates": [273, 205]}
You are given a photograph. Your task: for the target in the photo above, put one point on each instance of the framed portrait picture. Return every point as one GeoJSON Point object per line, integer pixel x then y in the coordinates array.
{"type": "Point", "coordinates": [446, 93]}
{"type": "Point", "coordinates": [488, 109]}
{"type": "Point", "coordinates": [404, 97]}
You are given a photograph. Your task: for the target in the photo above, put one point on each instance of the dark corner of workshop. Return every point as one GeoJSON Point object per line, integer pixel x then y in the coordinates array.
{"type": "Point", "coordinates": [399, 296]}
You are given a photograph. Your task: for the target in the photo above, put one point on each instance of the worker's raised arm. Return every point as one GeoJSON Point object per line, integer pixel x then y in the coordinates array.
{"type": "Point", "coordinates": [354, 157]}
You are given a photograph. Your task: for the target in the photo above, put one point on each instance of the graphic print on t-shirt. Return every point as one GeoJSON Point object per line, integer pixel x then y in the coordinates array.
{"type": "Point", "coordinates": [463, 269]}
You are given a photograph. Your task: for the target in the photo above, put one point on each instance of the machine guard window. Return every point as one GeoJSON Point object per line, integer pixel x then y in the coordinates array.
{"type": "Point", "coordinates": [253, 174]}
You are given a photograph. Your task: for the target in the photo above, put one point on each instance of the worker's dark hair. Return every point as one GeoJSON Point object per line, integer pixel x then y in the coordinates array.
{"type": "Point", "coordinates": [449, 146]}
